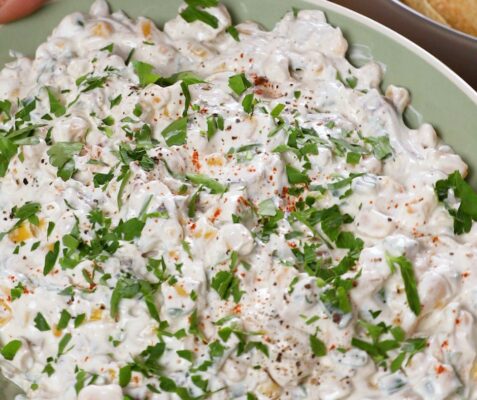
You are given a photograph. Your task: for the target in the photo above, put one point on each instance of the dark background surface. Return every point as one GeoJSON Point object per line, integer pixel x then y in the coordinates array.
{"type": "Point", "coordinates": [458, 51]}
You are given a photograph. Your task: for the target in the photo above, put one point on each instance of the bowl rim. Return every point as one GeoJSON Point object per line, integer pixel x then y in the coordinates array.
{"type": "Point", "coordinates": [449, 29]}
{"type": "Point", "coordinates": [407, 43]}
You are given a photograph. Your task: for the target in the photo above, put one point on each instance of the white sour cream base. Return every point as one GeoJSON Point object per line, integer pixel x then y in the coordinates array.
{"type": "Point", "coordinates": [393, 205]}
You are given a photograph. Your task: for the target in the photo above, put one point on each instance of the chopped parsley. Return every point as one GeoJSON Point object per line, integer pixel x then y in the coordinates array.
{"type": "Point", "coordinates": [61, 156]}
{"type": "Point", "coordinates": [409, 279]}
{"type": "Point", "coordinates": [175, 134]}
{"type": "Point", "coordinates": [195, 12]}
{"type": "Point", "coordinates": [318, 348]}
{"type": "Point", "coordinates": [239, 83]}
{"type": "Point", "coordinates": [41, 323]}
{"type": "Point", "coordinates": [466, 213]}
{"type": "Point", "coordinates": [380, 145]}
{"type": "Point", "coordinates": [232, 31]}
{"type": "Point", "coordinates": [10, 350]}
{"type": "Point", "coordinates": [226, 284]}
{"type": "Point", "coordinates": [56, 107]}
{"type": "Point", "coordinates": [144, 72]}
{"type": "Point", "coordinates": [212, 184]}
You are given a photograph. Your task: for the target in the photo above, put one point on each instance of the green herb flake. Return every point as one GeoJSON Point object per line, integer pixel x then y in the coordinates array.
{"type": "Point", "coordinates": [175, 134]}
{"type": "Point", "coordinates": [61, 156]}
{"type": "Point", "coordinates": [51, 258]}
{"type": "Point", "coordinates": [214, 185]}
{"type": "Point", "coordinates": [65, 340]}
{"type": "Point", "coordinates": [295, 176]}
{"type": "Point", "coordinates": [186, 355]}
{"type": "Point", "coordinates": [467, 210]}
{"type": "Point", "coordinates": [277, 110]}
{"type": "Point", "coordinates": [381, 146]}
{"type": "Point", "coordinates": [267, 208]}
{"type": "Point", "coordinates": [239, 83]}
{"type": "Point", "coordinates": [65, 318]}
{"type": "Point", "coordinates": [56, 107]}
{"type": "Point", "coordinates": [144, 72]}
{"type": "Point", "coordinates": [248, 103]}
{"type": "Point", "coordinates": [11, 349]}
{"type": "Point", "coordinates": [40, 323]}
{"type": "Point", "coordinates": [318, 348]}
{"type": "Point", "coordinates": [79, 319]}
{"type": "Point", "coordinates": [226, 284]}
{"type": "Point", "coordinates": [232, 31]}
{"type": "Point", "coordinates": [193, 14]}
{"type": "Point", "coordinates": [125, 375]}
{"type": "Point", "coordinates": [409, 279]}
{"type": "Point", "coordinates": [17, 291]}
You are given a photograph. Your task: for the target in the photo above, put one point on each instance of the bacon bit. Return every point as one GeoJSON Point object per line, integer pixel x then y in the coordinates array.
{"type": "Point", "coordinates": [445, 344]}
{"type": "Point", "coordinates": [332, 347]}
{"type": "Point", "coordinates": [457, 321]}
{"type": "Point", "coordinates": [216, 215]}
{"type": "Point", "coordinates": [135, 379]}
{"type": "Point", "coordinates": [291, 244]}
{"type": "Point", "coordinates": [465, 274]}
{"type": "Point", "coordinates": [195, 160]}
{"type": "Point", "coordinates": [260, 80]}
{"type": "Point", "coordinates": [193, 226]}
{"type": "Point", "coordinates": [435, 239]}
{"type": "Point", "coordinates": [440, 369]}
{"type": "Point", "coordinates": [237, 309]}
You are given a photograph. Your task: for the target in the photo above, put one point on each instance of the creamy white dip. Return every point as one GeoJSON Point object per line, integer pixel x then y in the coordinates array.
{"type": "Point", "coordinates": [264, 241]}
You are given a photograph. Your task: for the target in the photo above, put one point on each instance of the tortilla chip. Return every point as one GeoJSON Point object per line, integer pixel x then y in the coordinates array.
{"type": "Point", "coordinates": [425, 8]}
{"type": "Point", "coordinates": [460, 14]}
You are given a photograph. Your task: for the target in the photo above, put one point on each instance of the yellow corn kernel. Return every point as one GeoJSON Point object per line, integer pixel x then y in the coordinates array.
{"type": "Point", "coordinates": [209, 235]}
{"type": "Point", "coordinates": [197, 233]}
{"type": "Point", "coordinates": [199, 52]}
{"type": "Point", "coordinates": [180, 290]}
{"type": "Point", "coordinates": [146, 29]}
{"type": "Point", "coordinates": [102, 29]}
{"type": "Point", "coordinates": [22, 233]}
{"type": "Point", "coordinates": [221, 68]}
{"type": "Point", "coordinates": [215, 161]}
{"type": "Point", "coordinates": [269, 389]}
{"type": "Point", "coordinates": [96, 315]}
{"type": "Point", "coordinates": [174, 254]}
{"type": "Point", "coordinates": [5, 312]}
{"type": "Point", "coordinates": [112, 373]}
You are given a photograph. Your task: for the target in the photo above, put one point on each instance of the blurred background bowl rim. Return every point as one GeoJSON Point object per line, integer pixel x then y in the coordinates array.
{"type": "Point", "coordinates": [445, 28]}
{"type": "Point", "coordinates": [469, 91]}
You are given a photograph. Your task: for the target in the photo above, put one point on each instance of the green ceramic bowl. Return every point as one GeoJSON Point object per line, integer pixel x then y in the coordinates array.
{"type": "Point", "coordinates": [439, 96]}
